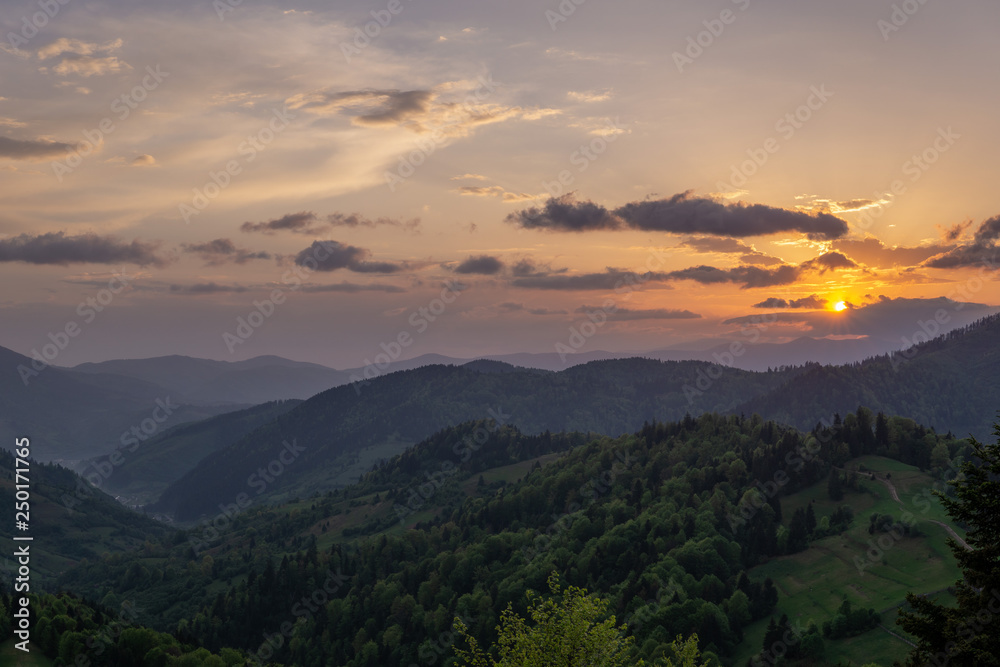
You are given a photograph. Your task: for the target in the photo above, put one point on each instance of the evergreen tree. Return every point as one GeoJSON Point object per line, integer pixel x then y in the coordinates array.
{"type": "Point", "coordinates": [834, 486]}
{"type": "Point", "coordinates": [968, 634]}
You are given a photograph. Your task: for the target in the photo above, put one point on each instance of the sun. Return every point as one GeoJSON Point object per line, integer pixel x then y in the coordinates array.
{"type": "Point", "coordinates": [840, 306]}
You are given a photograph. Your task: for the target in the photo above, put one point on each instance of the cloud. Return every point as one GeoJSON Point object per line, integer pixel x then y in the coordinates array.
{"type": "Point", "coordinates": [333, 255]}
{"type": "Point", "coordinates": [38, 149]}
{"type": "Point", "coordinates": [830, 261]}
{"type": "Point", "coordinates": [307, 222]}
{"type": "Point", "coordinates": [956, 231]}
{"type": "Point", "coordinates": [747, 277]}
{"type": "Point", "coordinates": [625, 314]}
{"type": "Point", "coordinates": [565, 214]}
{"type": "Point", "coordinates": [812, 302]}
{"type": "Point", "coordinates": [680, 214]}
{"type": "Point", "coordinates": [611, 279]}
{"type": "Point", "coordinates": [357, 220]}
{"type": "Point", "coordinates": [84, 59]}
{"type": "Point", "coordinates": [485, 265]}
{"type": "Point", "coordinates": [200, 289]}
{"type": "Point", "coordinates": [873, 252]}
{"type": "Point", "coordinates": [495, 191]}
{"type": "Point", "coordinates": [57, 248]}
{"type": "Point", "coordinates": [144, 161]}
{"type": "Point", "coordinates": [421, 111]}
{"type": "Point", "coordinates": [729, 246]}
{"type": "Point", "coordinates": [300, 223]}
{"type": "Point", "coordinates": [888, 320]}
{"type": "Point", "coordinates": [589, 96]}
{"type": "Point", "coordinates": [221, 251]}
{"type": "Point", "coordinates": [469, 177]}
{"type": "Point", "coordinates": [981, 252]}
{"type": "Point", "coordinates": [63, 46]}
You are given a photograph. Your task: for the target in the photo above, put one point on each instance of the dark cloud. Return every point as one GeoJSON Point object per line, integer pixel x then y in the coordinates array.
{"type": "Point", "coordinates": [873, 252]}
{"type": "Point", "coordinates": [307, 222]}
{"type": "Point", "coordinates": [955, 232]}
{"type": "Point", "coordinates": [565, 214]}
{"type": "Point", "coordinates": [333, 255]}
{"type": "Point", "coordinates": [812, 302]}
{"type": "Point", "coordinates": [526, 268]}
{"type": "Point", "coordinates": [512, 307]}
{"type": "Point", "coordinates": [372, 107]}
{"type": "Point", "coordinates": [38, 149]}
{"type": "Point", "coordinates": [303, 222]}
{"type": "Point", "coordinates": [57, 248]}
{"type": "Point", "coordinates": [989, 231]}
{"type": "Point", "coordinates": [358, 220]}
{"type": "Point", "coordinates": [199, 289]}
{"type": "Point", "coordinates": [485, 265]}
{"type": "Point", "coordinates": [625, 315]}
{"type": "Point", "coordinates": [680, 214]}
{"type": "Point", "coordinates": [982, 252]}
{"type": "Point", "coordinates": [830, 261]}
{"type": "Point", "coordinates": [221, 251]}
{"type": "Point", "coordinates": [746, 276]}
{"type": "Point", "coordinates": [611, 279]}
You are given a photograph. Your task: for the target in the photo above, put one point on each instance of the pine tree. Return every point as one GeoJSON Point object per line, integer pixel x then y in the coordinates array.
{"type": "Point", "coordinates": [968, 634]}
{"type": "Point", "coordinates": [834, 486]}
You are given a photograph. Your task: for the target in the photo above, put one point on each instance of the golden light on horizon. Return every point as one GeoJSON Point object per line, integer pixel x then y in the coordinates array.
{"type": "Point", "coordinates": [840, 306]}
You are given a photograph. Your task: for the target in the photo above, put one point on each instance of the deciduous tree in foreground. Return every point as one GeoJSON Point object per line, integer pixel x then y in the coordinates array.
{"type": "Point", "coordinates": [569, 629]}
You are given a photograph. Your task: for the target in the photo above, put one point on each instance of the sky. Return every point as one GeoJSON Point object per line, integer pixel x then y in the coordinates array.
{"type": "Point", "coordinates": [322, 181]}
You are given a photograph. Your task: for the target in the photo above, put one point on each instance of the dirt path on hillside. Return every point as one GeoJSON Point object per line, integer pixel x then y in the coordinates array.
{"type": "Point", "coordinates": [949, 529]}
{"type": "Point", "coordinates": [955, 535]}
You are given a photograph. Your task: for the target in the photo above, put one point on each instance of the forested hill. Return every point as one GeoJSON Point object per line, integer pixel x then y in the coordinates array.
{"type": "Point", "coordinates": [357, 425]}
{"type": "Point", "coordinates": [951, 383]}
{"type": "Point", "coordinates": [667, 523]}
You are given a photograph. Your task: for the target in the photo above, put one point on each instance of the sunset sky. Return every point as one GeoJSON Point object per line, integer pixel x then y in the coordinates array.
{"type": "Point", "coordinates": [743, 157]}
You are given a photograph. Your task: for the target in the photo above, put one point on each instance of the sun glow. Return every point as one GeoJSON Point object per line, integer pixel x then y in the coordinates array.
{"type": "Point", "coordinates": [840, 306]}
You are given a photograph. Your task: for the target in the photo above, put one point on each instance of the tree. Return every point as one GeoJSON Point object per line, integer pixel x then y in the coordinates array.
{"type": "Point", "coordinates": [567, 631]}
{"type": "Point", "coordinates": [834, 486]}
{"type": "Point", "coordinates": [968, 634]}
